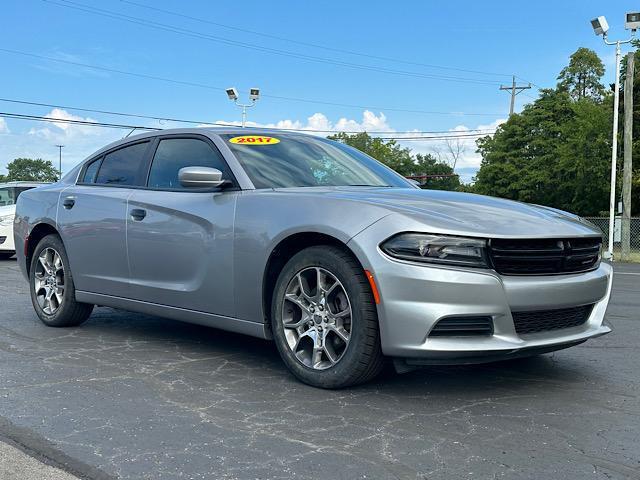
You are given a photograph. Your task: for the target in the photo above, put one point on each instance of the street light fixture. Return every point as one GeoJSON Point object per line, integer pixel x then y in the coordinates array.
{"type": "Point", "coordinates": [600, 28]}
{"type": "Point", "coordinates": [254, 96]}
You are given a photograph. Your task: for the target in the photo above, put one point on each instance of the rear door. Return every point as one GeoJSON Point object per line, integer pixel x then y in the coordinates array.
{"type": "Point", "coordinates": [180, 240]}
{"type": "Point", "coordinates": [92, 219]}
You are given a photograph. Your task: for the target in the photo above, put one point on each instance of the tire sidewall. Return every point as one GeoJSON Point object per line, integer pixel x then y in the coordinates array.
{"type": "Point", "coordinates": [57, 319]}
{"type": "Point", "coordinates": [325, 258]}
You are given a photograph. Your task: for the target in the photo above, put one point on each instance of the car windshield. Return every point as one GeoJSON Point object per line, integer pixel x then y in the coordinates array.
{"type": "Point", "coordinates": [9, 195]}
{"type": "Point", "coordinates": [281, 161]}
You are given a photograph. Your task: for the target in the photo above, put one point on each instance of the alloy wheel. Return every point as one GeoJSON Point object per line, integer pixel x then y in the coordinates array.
{"type": "Point", "coordinates": [48, 281]}
{"type": "Point", "coordinates": [316, 317]}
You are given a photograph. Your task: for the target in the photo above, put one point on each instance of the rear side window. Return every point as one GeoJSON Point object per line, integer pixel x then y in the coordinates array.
{"type": "Point", "coordinates": [173, 154]}
{"type": "Point", "coordinates": [124, 166]}
{"type": "Point", "coordinates": [90, 172]}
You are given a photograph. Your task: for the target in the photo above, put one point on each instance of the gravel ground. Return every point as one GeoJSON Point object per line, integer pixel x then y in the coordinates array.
{"type": "Point", "coordinates": [138, 397]}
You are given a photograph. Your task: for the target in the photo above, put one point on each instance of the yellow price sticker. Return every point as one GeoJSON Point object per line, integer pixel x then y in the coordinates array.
{"type": "Point", "coordinates": [254, 140]}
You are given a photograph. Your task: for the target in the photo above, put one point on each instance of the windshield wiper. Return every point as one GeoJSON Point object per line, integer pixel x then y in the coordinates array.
{"type": "Point", "coordinates": [365, 185]}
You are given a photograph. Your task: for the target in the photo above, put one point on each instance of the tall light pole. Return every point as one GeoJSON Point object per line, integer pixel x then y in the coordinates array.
{"type": "Point", "coordinates": [254, 95]}
{"type": "Point", "coordinates": [601, 27]}
{"type": "Point", "coordinates": [60, 161]}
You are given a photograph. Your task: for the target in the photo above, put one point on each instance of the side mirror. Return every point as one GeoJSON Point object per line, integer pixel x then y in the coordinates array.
{"type": "Point", "coordinates": [414, 182]}
{"type": "Point", "coordinates": [200, 177]}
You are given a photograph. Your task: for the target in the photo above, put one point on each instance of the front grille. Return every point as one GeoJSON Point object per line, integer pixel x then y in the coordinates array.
{"type": "Point", "coordinates": [462, 326]}
{"type": "Point", "coordinates": [544, 256]}
{"type": "Point", "coordinates": [545, 320]}
{"type": "Point", "coordinates": [2, 240]}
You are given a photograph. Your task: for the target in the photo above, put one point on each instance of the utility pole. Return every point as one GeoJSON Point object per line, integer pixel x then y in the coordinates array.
{"type": "Point", "coordinates": [60, 161]}
{"type": "Point", "coordinates": [515, 90]}
{"type": "Point", "coordinates": [628, 159]}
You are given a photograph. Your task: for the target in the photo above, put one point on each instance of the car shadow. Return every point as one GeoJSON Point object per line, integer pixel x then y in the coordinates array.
{"type": "Point", "coordinates": [555, 370]}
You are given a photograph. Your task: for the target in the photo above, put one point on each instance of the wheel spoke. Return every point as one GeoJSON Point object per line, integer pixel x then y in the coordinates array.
{"type": "Point", "coordinates": [331, 288]}
{"type": "Point", "coordinates": [296, 301]}
{"type": "Point", "coordinates": [38, 281]}
{"type": "Point", "coordinates": [59, 295]}
{"type": "Point", "coordinates": [304, 294]}
{"type": "Point", "coordinates": [42, 261]}
{"type": "Point", "coordinates": [307, 333]}
{"type": "Point", "coordinates": [341, 333]}
{"type": "Point", "coordinates": [344, 313]}
{"type": "Point", "coordinates": [57, 262]}
{"type": "Point", "coordinates": [316, 357]}
{"type": "Point", "coordinates": [330, 353]}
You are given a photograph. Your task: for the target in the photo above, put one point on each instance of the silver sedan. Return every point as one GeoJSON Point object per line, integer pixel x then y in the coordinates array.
{"type": "Point", "coordinates": [311, 243]}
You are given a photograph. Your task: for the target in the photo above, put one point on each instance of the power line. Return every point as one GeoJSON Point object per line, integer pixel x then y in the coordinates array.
{"type": "Point", "coordinates": [205, 122]}
{"type": "Point", "coordinates": [195, 34]}
{"type": "Point", "coordinates": [40, 118]}
{"type": "Point", "coordinates": [440, 137]}
{"type": "Point", "coordinates": [528, 81]}
{"type": "Point", "coordinates": [308, 44]}
{"type": "Point", "coordinates": [211, 87]}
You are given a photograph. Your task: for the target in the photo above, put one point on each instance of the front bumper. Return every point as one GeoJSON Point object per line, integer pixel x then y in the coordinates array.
{"type": "Point", "coordinates": [415, 297]}
{"type": "Point", "coordinates": [6, 238]}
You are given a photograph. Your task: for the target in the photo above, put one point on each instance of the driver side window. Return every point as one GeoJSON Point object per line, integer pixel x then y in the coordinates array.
{"type": "Point", "coordinates": [173, 154]}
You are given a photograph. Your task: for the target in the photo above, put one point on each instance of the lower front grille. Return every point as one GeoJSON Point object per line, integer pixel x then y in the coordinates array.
{"type": "Point", "coordinates": [2, 240]}
{"type": "Point", "coordinates": [545, 320]}
{"type": "Point", "coordinates": [463, 327]}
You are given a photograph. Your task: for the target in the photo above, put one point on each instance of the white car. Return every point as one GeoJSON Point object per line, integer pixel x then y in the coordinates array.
{"type": "Point", "coordinates": [9, 193]}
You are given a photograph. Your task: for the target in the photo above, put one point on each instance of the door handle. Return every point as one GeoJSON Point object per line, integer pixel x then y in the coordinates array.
{"type": "Point", "coordinates": [138, 214]}
{"type": "Point", "coordinates": [68, 203]}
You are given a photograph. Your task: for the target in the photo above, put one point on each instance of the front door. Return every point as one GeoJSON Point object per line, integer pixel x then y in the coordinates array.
{"type": "Point", "coordinates": [180, 240]}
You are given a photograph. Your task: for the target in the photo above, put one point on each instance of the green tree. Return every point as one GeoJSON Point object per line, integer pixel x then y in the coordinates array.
{"type": "Point", "coordinates": [518, 160]}
{"type": "Point", "coordinates": [581, 78]}
{"type": "Point", "coordinates": [556, 153]}
{"type": "Point", "coordinates": [427, 164]}
{"type": "Point", "coordinates": [388, 152]}
{"type": "Point", "coordinates": [402, 160]}
{"type": "Point", "coordinates": [31, 169]}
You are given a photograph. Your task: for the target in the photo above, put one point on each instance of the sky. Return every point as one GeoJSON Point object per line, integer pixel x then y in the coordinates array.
{"type": "Point", "coordinates": [412, 66]}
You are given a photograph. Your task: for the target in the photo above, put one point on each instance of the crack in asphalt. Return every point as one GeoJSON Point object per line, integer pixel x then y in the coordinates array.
{"type": "Point", "coordinates": [136, 397]}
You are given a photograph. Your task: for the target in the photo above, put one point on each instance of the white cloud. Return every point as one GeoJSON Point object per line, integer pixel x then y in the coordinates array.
{"type": "Point", "coordinates": [82, 140]}
{"type": "Point", "coordinates": [27, 140]}
{"type": "Point", "coordinates": [64, 130]}
{"type": "Point", "coordinates": [319, 121]}
{"type": "Point", "coordinates": [469, 160]}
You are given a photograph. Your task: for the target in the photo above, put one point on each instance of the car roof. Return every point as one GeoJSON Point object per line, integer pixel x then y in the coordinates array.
{"type": "Point", "coordinates": [222, 130]}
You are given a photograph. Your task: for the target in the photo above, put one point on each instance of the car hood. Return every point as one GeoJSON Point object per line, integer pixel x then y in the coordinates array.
{"type": "Point", "coordinates": [464, 213]}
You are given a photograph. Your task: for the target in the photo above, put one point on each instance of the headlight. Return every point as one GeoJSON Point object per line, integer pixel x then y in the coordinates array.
{"type": "Point", "coordinates": [6, 220]}
{"type": "Point", "coordinates": [440, 249]}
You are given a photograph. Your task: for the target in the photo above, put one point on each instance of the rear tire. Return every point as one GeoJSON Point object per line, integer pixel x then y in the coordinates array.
{"type": "Point", "coordinates": [53, 293]}
{"type": "Point", "coordinates": [337, 342]}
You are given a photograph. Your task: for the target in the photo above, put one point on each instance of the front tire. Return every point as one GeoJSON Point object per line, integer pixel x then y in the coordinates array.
{"type": "Point", "coordinates": [324, 319]}
{"type": "Point", "coordinates": [51, 284]}
{"type": "Point", "coordinates": [6, 255]}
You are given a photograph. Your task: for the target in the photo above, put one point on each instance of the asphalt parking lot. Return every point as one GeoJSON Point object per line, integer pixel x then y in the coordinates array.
{"type": "Point", "coordinates": [138, 397]}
